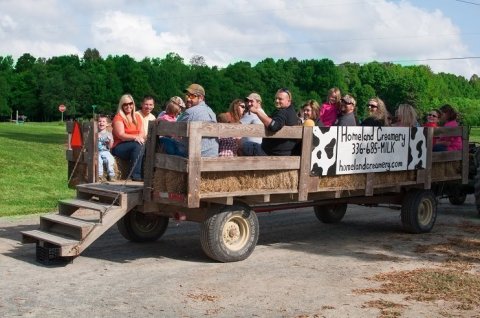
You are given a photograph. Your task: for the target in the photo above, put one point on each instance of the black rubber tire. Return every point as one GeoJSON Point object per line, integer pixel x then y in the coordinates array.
{"type": "Point", "coordinates": [419, 211]}
{"type": "Point", "coordinates": [230, 235]}
{"type": "Point", "coordinates": [142, 227]}
{"type": "Point", "coordinates": [330, 213]}
{"type": "Point", "coordinates": [457, 198]}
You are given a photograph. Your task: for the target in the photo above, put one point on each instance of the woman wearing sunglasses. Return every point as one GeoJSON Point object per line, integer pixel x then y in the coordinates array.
{"type": "Point", "coordinates": [236, 110]}
{"type": "Point", "coordinates": [128, 135]}
{"type": "Point", "coordinates": [377, 113]}
{"type": "Point", "coordinates": [433, 117]}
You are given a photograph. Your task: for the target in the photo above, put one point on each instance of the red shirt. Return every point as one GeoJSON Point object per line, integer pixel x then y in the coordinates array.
{"type": "Point", "coordinates": [129, 127]}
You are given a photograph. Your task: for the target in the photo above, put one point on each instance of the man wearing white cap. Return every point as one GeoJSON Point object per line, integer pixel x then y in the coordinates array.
{"type": "Point", "coordinates": [251, 146]}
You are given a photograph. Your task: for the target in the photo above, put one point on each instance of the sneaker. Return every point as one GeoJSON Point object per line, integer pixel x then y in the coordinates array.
{"type": "Point", "coordinates": [102, 179]}
{"type": "Point", "coordinates": [112, 178]}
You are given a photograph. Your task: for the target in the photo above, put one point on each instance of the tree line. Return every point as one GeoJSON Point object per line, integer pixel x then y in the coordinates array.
{"type": "Point", "coordinates": [35, 87]}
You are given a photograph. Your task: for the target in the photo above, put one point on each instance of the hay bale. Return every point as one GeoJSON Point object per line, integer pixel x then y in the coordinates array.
{"type": "Point", "coordinates": [122, 168]}
{"type": "Point", "coordinates": [394, 177]}
{"type": "Point", "coordinates": [358, 181]}
{"type": "Point", "coordinates": [345, 182]}
{"type": "Point", "coordinates": [169, 181]}
{"type": "Point", "coordinates": [176, 182]}
{"type": "Point", "coordinates": [449, 169]}
{"type": "Point", "coordinates": [453, 168]}
{"type": "Point", "coordinates": [231, 181]}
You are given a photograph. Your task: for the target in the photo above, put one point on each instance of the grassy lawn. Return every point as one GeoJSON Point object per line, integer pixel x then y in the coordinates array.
{"type": "Point", "coordinates": [33, 169]}
{"type": "Point", "coordinates": [475, 134]}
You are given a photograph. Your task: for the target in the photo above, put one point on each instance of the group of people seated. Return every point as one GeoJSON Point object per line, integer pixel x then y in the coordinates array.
{"type": "Point", "coordinates": [130, 127]}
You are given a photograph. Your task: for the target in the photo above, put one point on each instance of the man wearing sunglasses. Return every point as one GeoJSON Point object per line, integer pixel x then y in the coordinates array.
{"type": "Point", "coordinates": [285, 115]}
{"type": "Point", "coordinates": [198, 110]}
{"type": "Point", "coordinates": [251, 146]}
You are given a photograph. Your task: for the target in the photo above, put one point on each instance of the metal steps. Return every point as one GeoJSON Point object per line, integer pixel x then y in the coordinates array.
{"type": "Point", "coordinates": [82, 220]}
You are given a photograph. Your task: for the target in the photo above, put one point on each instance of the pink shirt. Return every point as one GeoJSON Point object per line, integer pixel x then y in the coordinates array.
{"type": "Point", "coordinates": [328, 114]}
{"type": "Point", "coordinates": [454, 142]}
{"type": "Point", "coordinates": [167, 117]}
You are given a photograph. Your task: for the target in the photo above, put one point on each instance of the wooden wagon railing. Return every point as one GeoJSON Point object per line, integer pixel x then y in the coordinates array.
{"type": "Point", "coordinates": [308, 187]}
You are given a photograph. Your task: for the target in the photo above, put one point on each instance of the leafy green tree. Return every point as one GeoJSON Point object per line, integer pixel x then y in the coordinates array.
{"type": "Point", "coordinates": [25, 63]}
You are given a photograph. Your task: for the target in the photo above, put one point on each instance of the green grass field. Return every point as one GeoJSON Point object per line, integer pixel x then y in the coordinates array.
{"type": "Point", "coordinates": [33, 169]}
{"type": "Point", "coordinates": [475, 134]}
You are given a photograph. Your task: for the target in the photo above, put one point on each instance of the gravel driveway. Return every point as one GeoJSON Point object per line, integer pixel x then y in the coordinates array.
{"type": "Point", "coordinates": [300, 268]}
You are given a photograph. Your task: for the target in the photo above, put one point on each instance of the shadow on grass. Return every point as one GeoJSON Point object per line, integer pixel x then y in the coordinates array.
{"type": "Point", "coordinates": [53, 138]}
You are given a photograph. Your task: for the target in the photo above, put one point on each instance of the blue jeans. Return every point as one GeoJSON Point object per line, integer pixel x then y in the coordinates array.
{"type": "Point", "coordinates": [437, 148]}
{"type": "Point", "coordinates": [106, 158]}
{"type": "Point", "coordinates": [171, 146]}
{"type": "Point", "coordinates": [130, 151]}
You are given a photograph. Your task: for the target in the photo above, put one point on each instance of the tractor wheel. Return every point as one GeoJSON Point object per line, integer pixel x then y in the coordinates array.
{"type": "Point", "coordinates": [230, 235]}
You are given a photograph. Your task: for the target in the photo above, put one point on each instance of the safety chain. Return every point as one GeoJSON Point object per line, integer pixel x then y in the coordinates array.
{"type": "Point", "coordinates": [124, 183]}
{"type": "Point", "coordinates": [82, 150]}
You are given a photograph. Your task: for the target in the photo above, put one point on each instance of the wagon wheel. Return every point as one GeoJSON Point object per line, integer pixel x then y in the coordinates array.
{"type": "Point", "coordinates": [230, 235]}
{"type": "Point", "coordinates": [458, 197]}
{"type": "Point", "coordinates": [142, 227]}
{"type": "Point", "coordinates": [419, 211]}
{"type": "Point", "coordinates": [330, 213]}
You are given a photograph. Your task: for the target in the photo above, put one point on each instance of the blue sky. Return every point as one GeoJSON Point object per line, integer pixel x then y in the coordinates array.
{"type": "Point", "coordinates": [225, 32]}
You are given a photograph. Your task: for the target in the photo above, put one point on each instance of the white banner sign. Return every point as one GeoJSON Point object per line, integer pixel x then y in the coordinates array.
{"type": "Point", "coordinates": [349, 150]}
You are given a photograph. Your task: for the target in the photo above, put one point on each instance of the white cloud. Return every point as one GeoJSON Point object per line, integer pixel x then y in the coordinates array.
{"type": "Point", "coordinates": [227, 32]}
{"type": "Point", "coordinates": [121, 33]}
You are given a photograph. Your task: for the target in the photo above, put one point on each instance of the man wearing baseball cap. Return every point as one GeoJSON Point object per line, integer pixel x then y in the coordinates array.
{"type": "Point", "coordinates": [198, 110]}
{"type": "Point", "coordinates": [251, 146]}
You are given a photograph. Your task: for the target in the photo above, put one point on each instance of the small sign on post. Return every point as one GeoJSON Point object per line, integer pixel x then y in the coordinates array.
{"type": "Point", "coordinates": [62, 108]}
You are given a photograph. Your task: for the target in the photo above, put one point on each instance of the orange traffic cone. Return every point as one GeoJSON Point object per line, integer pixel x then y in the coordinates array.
{"type": "Point", "coordinates": [76, 141]}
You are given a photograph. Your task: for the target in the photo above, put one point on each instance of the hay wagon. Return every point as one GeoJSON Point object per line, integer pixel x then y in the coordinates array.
{"type": "Point", "coordinates": [337, 167]}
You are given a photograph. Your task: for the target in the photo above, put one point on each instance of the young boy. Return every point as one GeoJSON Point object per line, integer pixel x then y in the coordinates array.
{"type": "Point", "coordinates": [105, 142]}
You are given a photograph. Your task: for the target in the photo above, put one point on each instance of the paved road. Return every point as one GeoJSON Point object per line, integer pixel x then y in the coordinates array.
{"type": "Point", "coordinates": [300, 268]}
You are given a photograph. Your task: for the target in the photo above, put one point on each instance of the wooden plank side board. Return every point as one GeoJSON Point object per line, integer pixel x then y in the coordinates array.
{"type": "Point", "coordinates": [175, 163]}
{"type": "Point", "coordinates": [448, 131]}
{"type": "Point", "coordinates": [443, 156]}
{"type": "Point", "coordinates": [90, 140]}
{"type": "Point", "coordinates": [249, 163]}
{"type": "Point", "coordinates": [369, 184]}
{"type": "Point", "coordinates": [165, 128]}
{"type": "Point", "coordinates": [72, 155]}
{"type": "Point", "coordinates": [465, 150]}
{"type": "Point", "coordinates": [148, 165]}
{"type": "Point", "coordinates": [428, 166]}
{"type": "Point", "coordinates": [245, 193]}
{"type": "Point", "coordinates": [194, 172]}
{"type": "Point", "coordinates": [236, 130]}
{"type": "Point", "coordinates": [69, 126]}
{"type": "Point", "coordinates": [205, 129]}
{"type": "Point", "coordinates": [304, 173]}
